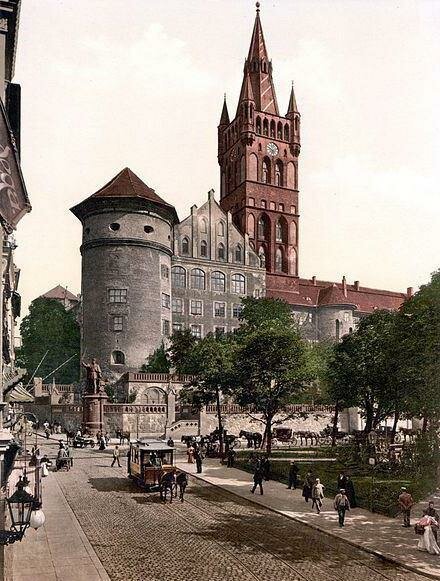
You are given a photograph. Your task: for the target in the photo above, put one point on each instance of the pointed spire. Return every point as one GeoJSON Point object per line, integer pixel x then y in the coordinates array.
{"type": "Point", "coordinates": [224, 119]}
{"type": "Point", "coordinates": [292, 108]}
{"type": "Point", "coordinates": [259, 69]}
{"type": "Point", "coordinates": [246, 93]}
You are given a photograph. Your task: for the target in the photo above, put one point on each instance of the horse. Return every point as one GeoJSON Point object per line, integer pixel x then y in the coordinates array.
{"type": "Point", "coordinates": [254, 438]}
{"type": "Point", "coordinates": [123, 436]}
{"type": "Point", "coordinates": [182, 483]}
{"type": "Point", "coordinates": [167, 483]}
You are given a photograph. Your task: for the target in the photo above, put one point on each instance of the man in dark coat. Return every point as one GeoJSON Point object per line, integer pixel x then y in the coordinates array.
{"type": "Point", "coordinates": [266, 468]}
{"type": "Point", "coordinates": [198, 459]}
{"type": "Point", "coordinates": [293, 475]}
{"type": "Point", "coordinates": [258, 478]}
{"type": "Point", "coordinates": [231, 457]}
{"type": "Point", "coordinates": [350, 492]}
{"type": "Point", "coordinates": [342, 481]}
{"type": "Point", "coordinates": [307, 488]}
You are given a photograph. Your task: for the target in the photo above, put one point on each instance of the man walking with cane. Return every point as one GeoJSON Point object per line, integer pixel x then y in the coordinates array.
{"type": "Point", "coordinates": [116, 454]}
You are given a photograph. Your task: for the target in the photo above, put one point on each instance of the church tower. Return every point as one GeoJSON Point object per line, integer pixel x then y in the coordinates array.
{"type": "Point", "coordinates": [258, 156]}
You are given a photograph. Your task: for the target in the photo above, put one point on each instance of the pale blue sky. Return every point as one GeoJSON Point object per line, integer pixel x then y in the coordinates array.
{"type": "Point", "coordinates": [108, 84]}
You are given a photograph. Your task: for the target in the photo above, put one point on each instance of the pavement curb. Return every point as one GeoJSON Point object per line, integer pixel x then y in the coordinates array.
{"type": "Point", "coordinates": [383, 556]}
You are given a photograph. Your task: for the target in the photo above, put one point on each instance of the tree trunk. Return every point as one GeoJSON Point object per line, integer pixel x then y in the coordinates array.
{"type": "Point", "coordinates": [394, 428]}
{"type": "Point", "coordinates": [269, 435]}
{"type": "Point", "coordinates": [369, 413]}
{"type": "Point", "coordinates": [425, 424]}
{"type": "Point", "coordinates": [335, 424]}
{"type": "Point", "coordinates": [220, 423]}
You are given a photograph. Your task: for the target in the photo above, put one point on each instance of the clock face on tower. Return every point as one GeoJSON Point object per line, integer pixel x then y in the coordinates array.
{"type": "Point", "coordinates": [272, 149]}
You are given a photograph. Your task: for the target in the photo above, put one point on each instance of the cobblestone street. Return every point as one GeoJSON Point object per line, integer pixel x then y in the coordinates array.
{"type": "Point", "coordinates": [212, 536]}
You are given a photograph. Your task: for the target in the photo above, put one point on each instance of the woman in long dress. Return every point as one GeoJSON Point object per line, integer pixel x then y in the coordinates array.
{"type": "Point", "coordinates": [427, 541]}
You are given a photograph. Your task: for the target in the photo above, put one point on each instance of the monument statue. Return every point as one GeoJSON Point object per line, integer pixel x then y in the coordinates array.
{"type": "Point", "coordinates": [94, 375]}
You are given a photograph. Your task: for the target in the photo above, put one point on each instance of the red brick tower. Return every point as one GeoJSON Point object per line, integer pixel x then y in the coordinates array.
{"type": "Point", "coordinates": [258, 157]}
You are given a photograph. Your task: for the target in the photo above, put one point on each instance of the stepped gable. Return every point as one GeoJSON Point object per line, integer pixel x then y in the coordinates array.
{"type": "Point", "coordinates": [59, 293]}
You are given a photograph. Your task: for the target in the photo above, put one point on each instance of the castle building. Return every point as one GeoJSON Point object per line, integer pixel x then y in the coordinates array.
{"type": "Point", "coordinates": [144, 273]}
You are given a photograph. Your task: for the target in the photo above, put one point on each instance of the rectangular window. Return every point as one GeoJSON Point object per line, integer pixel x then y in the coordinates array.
{"type": "Point", "coordinates": [236, 310]}
{"type": "Point", "coordinates": [166, 301]}
{"type": "Point", "coordinates": [164, 271]}
{"type": "Point", "coordinates": [346, 317]}
{"type": "Point", "coordinates": [177, 326]}
{"type": "Point", "coordinates": [177, 306]}
{"type": "Point", "coordinates": [251, 201]}
{"type": "Point", "coordinates": [219, 309]}
{"type": "Point", "coordinates": [118, 323]}
{"type": "Point", "coordinates": [196, 307]}
{"type": "Point", "coordinates": [165, 327]}
{"type": "Point", "coordinates": [196, 331]}
{"type": "Point", "coordinates": [219, 330]}
{"type": "Point", "coordinates": [117, 295]}
{"type": "Point", "coordinates": [281, 207]}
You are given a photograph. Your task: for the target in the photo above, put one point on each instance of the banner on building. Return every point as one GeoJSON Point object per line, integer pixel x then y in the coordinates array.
{"type": "Point", "coordinates": [14, 201]}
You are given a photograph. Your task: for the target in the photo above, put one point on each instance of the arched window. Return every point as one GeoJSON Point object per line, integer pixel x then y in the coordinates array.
{"type": "Point", "coordinates": [279, 260]}
{"type": "Point", "coordinates": [279, 130]}
{"type": "Point", "coordinates": [178, 277]}
{"type": "Point", "coordinates": [221, 228]}
{"type": "Point", "coordinates": [242, 168]}
{"type": "Point", "coordinates": [258, 124]}
{"type": "Point", "coordinates": [118, 358]}
{"type": "Point", "coordinates": [286, 132]}
{"type": "Point", "coordinates": [238, 253]}
{"type": "Point", "coordinates": [272, 128]}
{"type": "Point", "coordinates": [203, 226]}
{"type": "Point", "coordinates": [198, 279]}
{"type": "Point", "coordinates": [293, 262]}
{"type": "Point", "coordinates": [263, 227]}
{"type": "Point", "coordinates": [262, 257]}
{"type": "Point", "coordinates": [278, 232]}
{"type": "Point", "coordinates": [185, 245]}
{"type": "Point", "coordinates": [265, 127]}
{"type": "Point", "coordinates": [251, 225]}
{"type": "Point", "coordinates": [253, 165]}
{"type": "Point", "coordinates": [218, 281]}
{"type": "Point", "coordinates": [204, 248]}
{"type": "Point", "coordinates": [221, 253]}
{"type": "Point", "coordinates": [293, 233]}
{"type": "Point", "coordinates": [291, 175]}
{"type": "Point", "coordinates": [238, 284]}
{"type": "Point", "coordinates": [265, 172]}
{"type": "Point", "coordinates": [279, 173]}
{"type": "Point", "coordinates": [296, 124]}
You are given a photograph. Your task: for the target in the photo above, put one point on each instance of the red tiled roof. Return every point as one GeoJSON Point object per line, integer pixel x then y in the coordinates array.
{"type": "Point", "coordinates": [321, 293]}
{"type": "Point", "coordinates": [59, 293]}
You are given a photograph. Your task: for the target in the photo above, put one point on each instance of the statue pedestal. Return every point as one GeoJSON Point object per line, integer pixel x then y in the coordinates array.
{"type": "Point", "coordinates": [93, 411]}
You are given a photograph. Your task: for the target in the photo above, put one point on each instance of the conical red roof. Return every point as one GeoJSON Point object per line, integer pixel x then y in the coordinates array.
{"type": "Point", "coordinates": [332, 295]}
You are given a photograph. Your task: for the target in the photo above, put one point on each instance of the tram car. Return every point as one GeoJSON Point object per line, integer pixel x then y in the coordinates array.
{"type": "Point", "coordinates": [148, 461]}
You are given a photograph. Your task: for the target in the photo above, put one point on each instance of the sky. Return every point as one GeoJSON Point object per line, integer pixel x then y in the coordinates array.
{"type": "Point", "coordinates": [109, 83]}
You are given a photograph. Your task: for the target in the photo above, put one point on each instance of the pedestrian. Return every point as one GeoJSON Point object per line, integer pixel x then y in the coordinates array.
{"type": "Point", "coordinates": [430, 511]}
{"type": "Point", "coordinates": [116, 454]}
{"type": "Point", "coordinates": [98, 436]}
{"type": "Point", "coordinates": [258, 478]}
{"type": "Point", "coordinates": [307, 487]}
{"type": "Point", "coordinates": [231, 458]}
{"type": "Point", "coordinates": [342, 481]}
{"type": "Point", "coordinates": [47, 432]}
{"type": "Point", "coordinates": [406, 501]}
{"type": "Point", "coordinates": [170, 442]}
{"type": "Point", "coordinates": [293, 475]}
{"type": "Point", "coordinates": [107, 438]}
{"type": "Point", "coordinates": [102, 445]}
{"type": "Point", "coordinates": [266, 468]}
{"type": "Point", "coordinates": [190, 454]}
{"type": "Point", "coordinates": [198, 458]}
{"type": "Point", "coordinates": [350, 492]}
{"type": "Point", "coordinates": [317, 495]}
{"type": "Point", "coordinates": [341, 504]}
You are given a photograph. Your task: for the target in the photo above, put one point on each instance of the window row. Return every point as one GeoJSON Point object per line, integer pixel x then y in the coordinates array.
{"type": "Point", "coordinates": [220, 250]}
{"type": "Point", "coordinates": [220, 227]}
{"type": "Point", "coordinates": [272, 206]}
{"type": "Point", "coordinates": [272, 129]}
{"type": "Point", "coordinates": [268, 171]}
{"type": "Point", "coordinates": [198, 280]}
{"type": "Point", "coordinates": [197, 308]}
{"type": "Point", "coordinates": [115, 227]}
{"type": "Point", "coordinates": [284, 233]}
{"type": "Point", "coordinates": [197, 330]}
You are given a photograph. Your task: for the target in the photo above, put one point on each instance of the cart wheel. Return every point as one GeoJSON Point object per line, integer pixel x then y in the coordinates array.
{"type": "Point", "coordinates": [92, 444]}
{"type": "Point", "coordinates": [398, 438]}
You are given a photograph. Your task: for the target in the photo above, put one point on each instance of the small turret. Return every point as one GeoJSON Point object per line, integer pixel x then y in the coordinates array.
{"type": "Point", "coordinates": [224, 122]}
{"type": "Point", "coordinates": [295, 118]}
{"type": "Point", "coordinates": [246, 110]}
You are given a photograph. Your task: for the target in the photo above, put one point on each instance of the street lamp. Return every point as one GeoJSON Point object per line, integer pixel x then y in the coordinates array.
{"type": "Point", "coordinates": [20, 505]}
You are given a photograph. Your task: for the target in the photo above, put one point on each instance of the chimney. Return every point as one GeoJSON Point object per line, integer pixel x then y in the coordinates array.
{"type": "Point", "coordinates": [409, 292]}
{"type": "Point", "coordinates": [356, 285]}
{"type": "Point", "coordinates": [314, 280]}
{"type": "Point", "coordinates": [344, 286]}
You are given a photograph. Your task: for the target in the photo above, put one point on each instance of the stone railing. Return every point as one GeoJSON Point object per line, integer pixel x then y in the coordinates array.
{"type": "Point", "coordinates": [123, 408]}
{"type": "Point", "coordinates": [158, 377]}
{"type": "Point", "coordinates": [291, 409]}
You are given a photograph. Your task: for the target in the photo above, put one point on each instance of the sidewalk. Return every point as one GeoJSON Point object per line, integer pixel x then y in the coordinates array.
{"type": "Point", "coordinates": [58, 551]}
{"type": "Point", "coordinates": [371, 532]}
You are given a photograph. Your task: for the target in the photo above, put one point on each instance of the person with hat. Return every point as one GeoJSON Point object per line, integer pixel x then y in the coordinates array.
{"type": "Point", "coordinates": [341, 504]}
{"type": "Point", "coordinates": [406, 502]}
{"type": "Point", "coordinates": [293, 475]}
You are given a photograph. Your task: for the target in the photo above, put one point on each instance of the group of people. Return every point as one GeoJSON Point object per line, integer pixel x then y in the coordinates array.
{"type": "Point", "coordinates": [427, 526]}
{"type": "Point", "coordinates": [102, 439]}
{"type": "Point", "coordinates": [51, 428]}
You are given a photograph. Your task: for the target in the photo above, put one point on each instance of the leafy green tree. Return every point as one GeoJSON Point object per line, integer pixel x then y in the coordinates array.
{"type": "Point", "coordinates": [182, 344]}
{"type": "Point", "coordinates": [318, 358]}
{"type": "Point", "coordinates": [264, 313]}
{"type": "Point", "coordinates": [49, 327]}
{"type": "Point", "coordinates": [210, 360]}
{"type": "Point", "coordinates": [158, 362]}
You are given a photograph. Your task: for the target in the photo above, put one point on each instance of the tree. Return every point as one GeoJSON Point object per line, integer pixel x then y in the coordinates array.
{"type": "Point", "coordinates": [182, 344]}
{"type": "Point", "coordinates": [264, 313]}
{"type": "Point", "coordinates": [362, 371]}
{"type": "Point", "coordinates": [210, 361]}
{"type": "Point", "coordinates": [158, 362]}
{"type": "Point", "coordinates": [49, 327]}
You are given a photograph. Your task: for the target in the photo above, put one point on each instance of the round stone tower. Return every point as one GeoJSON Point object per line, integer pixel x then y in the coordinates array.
{"type": "Point", "coordinates": [126, 269]}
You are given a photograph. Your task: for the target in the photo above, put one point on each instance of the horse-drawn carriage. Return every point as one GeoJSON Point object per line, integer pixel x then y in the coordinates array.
{"type": "Point", "coordinates": [151, 464]}
{"type": "Point", "coordinates": [83, 442]}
